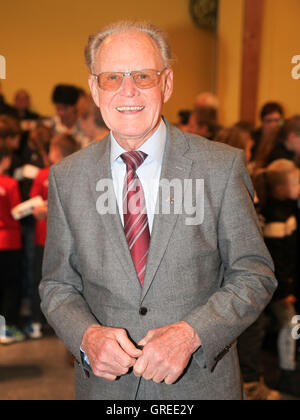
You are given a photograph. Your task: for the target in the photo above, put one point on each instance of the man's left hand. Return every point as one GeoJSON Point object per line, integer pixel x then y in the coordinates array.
{"type": "Point", "coordinates": [167, 352]}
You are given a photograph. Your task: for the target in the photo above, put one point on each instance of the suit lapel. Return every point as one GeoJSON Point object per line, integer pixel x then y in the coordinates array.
{"type": "Point", "coordinates": [175, 166]}
{"type": "Point", "coordinates": [101, 170]}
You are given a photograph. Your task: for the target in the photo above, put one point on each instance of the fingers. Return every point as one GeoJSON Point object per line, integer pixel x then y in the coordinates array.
{"type": "Point", "coordinates": [173, 375]}
{"type": "Point", "coordinates": [109, 370]}
{"type": "Point", "coordinates": [127, 345]}
{"type": "Point", "coordinates": [110, 352]}
{"type": "Point", "coordinates": [140, 366]}
{"type": "Point", "coordinates": [167, 351]}
{"type": "Point", "coordinates": [156, 372]}
{"type": "Point", "coordinates": [108, 377]}
{"type": "Point", "coordinates": [146, 339]}
{"type": "Point", "coordinates": [113, 359]}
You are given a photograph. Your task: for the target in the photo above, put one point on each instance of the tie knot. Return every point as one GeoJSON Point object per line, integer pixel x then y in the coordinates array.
{"type": "Point", "coordinates": [133, 160]}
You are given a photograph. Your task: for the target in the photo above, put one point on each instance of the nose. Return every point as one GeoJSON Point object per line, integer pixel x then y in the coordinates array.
{"type": "Point", "coordinates": [128, 87]}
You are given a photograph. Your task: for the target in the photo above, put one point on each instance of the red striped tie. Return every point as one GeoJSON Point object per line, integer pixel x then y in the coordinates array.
{"type": "Point", "coordinates": [135, 213]}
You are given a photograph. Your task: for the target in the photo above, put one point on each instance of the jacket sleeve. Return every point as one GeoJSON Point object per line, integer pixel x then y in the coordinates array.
{"type": "Point", "coordinates": [248, 282]}
{"type": "Point", "coordinates": [61, 286]}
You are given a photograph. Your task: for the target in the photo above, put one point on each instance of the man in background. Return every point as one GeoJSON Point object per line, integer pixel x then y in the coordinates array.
{"type": "Point", "coordinates": [66, 121]}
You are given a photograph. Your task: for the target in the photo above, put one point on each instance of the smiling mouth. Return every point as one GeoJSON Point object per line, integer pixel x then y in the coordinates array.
{"type": "Point", "coordinates": [130, 109]}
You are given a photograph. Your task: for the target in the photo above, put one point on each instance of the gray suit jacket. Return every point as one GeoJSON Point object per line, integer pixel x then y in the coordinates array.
{"type": "Point", "coordinates": [217, 276]}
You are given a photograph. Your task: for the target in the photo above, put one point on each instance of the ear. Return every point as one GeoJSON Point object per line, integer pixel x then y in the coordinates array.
{"type": "Point", "coordinates": [94, 89]}
{"type": "Point", "coordinates": [168, 85]}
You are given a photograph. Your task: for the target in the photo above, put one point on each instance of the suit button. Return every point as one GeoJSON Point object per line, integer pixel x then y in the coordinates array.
{"type": "Point", "coordinates": [143, 311]}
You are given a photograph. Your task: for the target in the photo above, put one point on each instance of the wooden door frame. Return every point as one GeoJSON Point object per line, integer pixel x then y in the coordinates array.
{"type": "Point", "coordinates": [252, 40]}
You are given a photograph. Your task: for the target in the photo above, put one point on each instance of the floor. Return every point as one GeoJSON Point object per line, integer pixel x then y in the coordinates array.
{"type": "Point", "coordinates": [36, 370]}
{"type": "Point", "coordinates": [41, 370]}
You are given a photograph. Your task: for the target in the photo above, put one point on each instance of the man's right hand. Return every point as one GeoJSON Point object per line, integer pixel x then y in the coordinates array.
{"type": "Point", "coordinates": [109, 350]}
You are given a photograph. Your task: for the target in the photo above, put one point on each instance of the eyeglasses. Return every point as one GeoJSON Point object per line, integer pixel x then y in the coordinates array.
{"type": "Point", "coordinates": [143, 79]}
{"type": "Point", "coordinates": [272, 120]}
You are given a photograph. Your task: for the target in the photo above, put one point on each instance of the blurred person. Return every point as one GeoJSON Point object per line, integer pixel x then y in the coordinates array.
{"type": "Point", "coordinates": [61, 146]}
{"type": "Point", "coordinates": [289, 148]}
{"type": "Point", "coordinates": [263, 152]}
{"type": "Point", "coordinates": [22, 103]}
{"type": "Point", "coordinates": [203, 119]}
{"type": "Point", "coordinates": [183, 119]}
{"type": "Point", "coordinates": [203, 122]}
{"type": "Point", "coordinates": [38, 146]}
{"type": "Point", "coordinates": [66, 121]}
{"type": "Point", "coordinates": [65, 98]}
{"type": "Point", "coordinates": [278, 189]}
{"type": "Point", "coordinates": [92, 123]}
{"type": "Point", "coordinates": [237, 137]}
{"type": "Point", "coordinates": [127, 292]}
{"type": "Point", "coordinates": [251, 341]}
{"type": "Point", "coordinates": [207, 99]}
{"type": "Point", "coordinates": [245, 125]}
{"type": "Point", "coordinates": [5, 108]}
{"type": "Point", "coordinates": [288, 144]}
{"type": "Point", "coordinates": [10, 251]}
{"type": "Point", "coordinates": [83, 103]}
{"type": "Point", "coordinates": [272, 118]}
{"type": "Point", "coordinates": [280, 143]}
{"type": "Point", "coordinates": [10, 134]}
{"type": "Point", "coordinates": [34, 153]}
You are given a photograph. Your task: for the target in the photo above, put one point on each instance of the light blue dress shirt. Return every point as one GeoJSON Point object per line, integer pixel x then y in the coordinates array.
{"type": "Point", "coordinates": [149, 174]}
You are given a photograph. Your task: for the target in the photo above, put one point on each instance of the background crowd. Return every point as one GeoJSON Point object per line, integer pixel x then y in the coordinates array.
{"type": "Point", "coordinates": [30, 143]}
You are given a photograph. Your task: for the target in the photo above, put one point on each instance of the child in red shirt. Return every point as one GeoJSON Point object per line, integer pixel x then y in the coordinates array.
{"type": "Point", "coordinates": [10, 252]}
{"type": "Point", "coordinates": [61, 146]}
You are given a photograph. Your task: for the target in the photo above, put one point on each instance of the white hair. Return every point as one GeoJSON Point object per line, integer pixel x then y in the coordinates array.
{"type": "Point", "coordinates": [95, 40]}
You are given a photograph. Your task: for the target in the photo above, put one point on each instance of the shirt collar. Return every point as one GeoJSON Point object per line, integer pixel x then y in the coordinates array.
{"type": "Point", "coordinates": [154, 147]}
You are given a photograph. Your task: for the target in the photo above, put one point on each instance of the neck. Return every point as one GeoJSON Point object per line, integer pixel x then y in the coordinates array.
{"type": "Point", "coordinates": [130, 145]}
{"type": "Point", "coordinates": [134, 143]}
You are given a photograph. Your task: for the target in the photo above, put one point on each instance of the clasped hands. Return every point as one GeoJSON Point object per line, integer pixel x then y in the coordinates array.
{"type": "Point", "coordinates": [165, 355]}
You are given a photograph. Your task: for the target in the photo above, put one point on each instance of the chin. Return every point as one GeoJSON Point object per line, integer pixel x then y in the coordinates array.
{"type": "Point", "coordinates": [133, 132]}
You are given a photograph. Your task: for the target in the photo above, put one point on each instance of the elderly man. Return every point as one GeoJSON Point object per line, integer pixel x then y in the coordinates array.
{"type": "Point", "coordinates": [149, 302]}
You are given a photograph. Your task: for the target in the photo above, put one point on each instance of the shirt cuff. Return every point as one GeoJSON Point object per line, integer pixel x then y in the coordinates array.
{"type": "Point", "coordinates": [84, 358]}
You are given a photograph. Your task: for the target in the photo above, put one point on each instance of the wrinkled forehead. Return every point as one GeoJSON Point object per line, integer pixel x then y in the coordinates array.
{"type": "Point", "coordinates": [128, 50]}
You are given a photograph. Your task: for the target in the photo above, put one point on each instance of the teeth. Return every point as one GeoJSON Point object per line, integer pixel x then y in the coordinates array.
{"type": "Point", "coordinates": [130, 108]}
